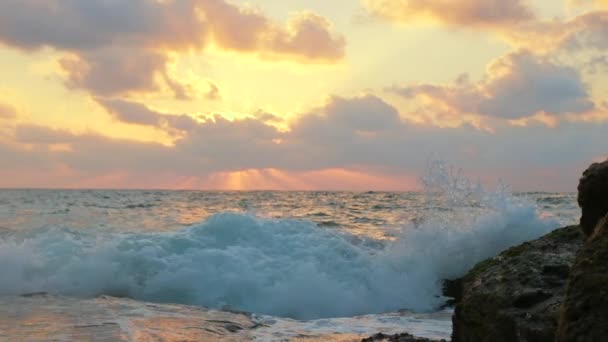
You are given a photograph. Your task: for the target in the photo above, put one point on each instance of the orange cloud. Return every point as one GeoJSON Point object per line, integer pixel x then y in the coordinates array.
{"type": "Point", "coordinates": [138, 114]}
{"type": "Point", "coordinates": [513, 20]}
{"type": "Point", "coordinates": [109, 72]}
{"type": "Point", "coordinates": [116, 48]}
{"type": "Point", "coordinates": [588, 31]}
{"type": "Point", "coordinates": [8, 116]}
{"type": "Point", "coordinates": [463, 13]}
{"type": "Point", "coordinates": [306, 38]}
{"type": "Point", "coordinates": [170, 24]}
{"type": "Point", "coordinates": [518, 85]}
{"type": "Point", "coordinates": [355, 144]}
{"type": "Point", "coordinates": [587, 2]}
{"type": "Point", "coordinates": [7, 111]}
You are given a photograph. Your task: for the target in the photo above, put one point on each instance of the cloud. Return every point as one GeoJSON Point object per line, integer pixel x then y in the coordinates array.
{"type": "Point", "coordinates": [138, 114]}
{"type": "Point", "coordinates": [109, 72]}
{"type": "Point", "coordinates": [365, 114]}
{"type": "Point", "coordinates": [514, 21]}
{"type": "Point", "coordinates": [515, 86]}
{"type": "Point", "coordinates": [585, 32]}
{"type": "Point", "coordinates": [588, 31]}
{"type": "Point", "coordinates": [361, 136]}
{"type": "Point", "coordinates": [93, 154]}
{"type": "Point", "coordinates": [214, 92]}
{"type": "Point", "coordinates": [7, 111]}
{"type": "Point", "coordinates": [344, 132]}
{"type": "Point", "coordinates": [307, 36]}
{"type": "Point", "coordinates": [115, 72]}
{"type": "Point", "coordinates": [87, 25]}
{"type": "Point", "coordinates": [214, 138]}
{"type": "Point", "coordinates": [118, 47]}
{"type": "Point", "coordinates": [461, 13]}
{"type": "Point", "coordinates": [583, 3]}
{"type": "Point", "coordinates": [597, 65]}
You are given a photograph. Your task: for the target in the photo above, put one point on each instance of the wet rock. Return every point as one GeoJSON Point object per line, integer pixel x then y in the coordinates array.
{"type": "Point", "coordinates": [452, 288]}
{"type": "Point", "coordinates": [561, 271]}
{"type": "Point", "coordinates": [517, 295]}
{"type": "Point", "coordinates": [105, 318]}
{"type": "Point", "coordinates": [585, 311]}
{"type": "Point", "coordinates": [530, 297]}
{"type": "Point", "coordinates": [34, 294]}
{"type": "Point", "coordinates": [592, 195]}
{"type": "Point", "coordinates": [404, 337]}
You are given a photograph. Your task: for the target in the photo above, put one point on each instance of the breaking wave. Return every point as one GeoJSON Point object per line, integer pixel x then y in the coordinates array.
{"type": "Point", "coordinates": [282, 267]}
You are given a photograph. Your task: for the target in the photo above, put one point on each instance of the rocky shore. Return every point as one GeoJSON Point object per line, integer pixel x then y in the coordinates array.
{"type": "Point", "coordinates": [551, 289]}
{"type": "Point", "coordinates": [404, 337]}
{"type": "Point", "coordinates": [517, 295]}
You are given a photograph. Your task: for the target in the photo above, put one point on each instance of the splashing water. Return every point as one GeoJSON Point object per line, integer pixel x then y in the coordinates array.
{"type": "Point", "coordinates": [282, 267]}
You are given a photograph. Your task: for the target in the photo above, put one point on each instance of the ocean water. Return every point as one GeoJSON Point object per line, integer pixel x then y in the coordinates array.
{"type": "Point", "coordinates": [327, 265]}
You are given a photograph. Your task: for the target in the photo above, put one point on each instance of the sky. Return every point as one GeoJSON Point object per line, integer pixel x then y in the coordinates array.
{"type": "Point", "coordinates": [301, 94]}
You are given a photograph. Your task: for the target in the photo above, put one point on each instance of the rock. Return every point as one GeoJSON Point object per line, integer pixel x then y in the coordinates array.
{"type": "Point", "coordinates": [35, 294]}
{"type": "Point", "coordinates": [592, 195]}
{"type": "Point", "coordinates": [404, 337]}
{"type": "Point", "coordinates": [452, 288]}
{"type": "Point", "coordinates": [517, 295]}
{"type": "Point", "coordinates": [584, 314]}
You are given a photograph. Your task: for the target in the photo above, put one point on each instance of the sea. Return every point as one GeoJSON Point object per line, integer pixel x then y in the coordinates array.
{"type": "Point", "coordinates": [156, 265]}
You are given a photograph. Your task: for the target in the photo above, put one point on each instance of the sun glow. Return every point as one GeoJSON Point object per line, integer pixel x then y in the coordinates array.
{"type": "Point", "coordinates": [329, 179]}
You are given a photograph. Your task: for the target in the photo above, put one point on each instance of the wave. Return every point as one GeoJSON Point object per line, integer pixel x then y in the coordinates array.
{"type": "Point", "coordinates": [281, 267]}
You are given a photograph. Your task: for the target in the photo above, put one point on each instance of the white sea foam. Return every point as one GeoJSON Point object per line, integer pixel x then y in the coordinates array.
{"type": "Point", "coordinates": [281, 267]}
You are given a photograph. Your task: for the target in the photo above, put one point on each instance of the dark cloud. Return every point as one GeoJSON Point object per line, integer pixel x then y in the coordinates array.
{"type": "Point", "coordinates": [330, 137]}
{"type": "Point", "coordinates": [118, 47]}
{"type": "Point", "coordinates": [135, 113]}
{"type": "Point", "coordinates": [585, 32]}
{"type": "Point", "coordinates": [517, 85]}
{"type": "Point", "coordinates": [96, 155]}
{"type": "Point", "coordinates": [308, 37]}
{"type": "Point", "coordinates": [214, 92]}
{"type": "Point", "coordinates": [77, 25]}
{"type": "Point", "coordinates": [588, 31]}
{"type": "Point", "coordinates": [215, 139]}
{"type": "Point", "coordinates": [85, 25]}
{"type": "Point", "coordinates": [41, 135]}
{"type": "Point", "coordinates": [597, 65]}
{"type": "Point", "coordinates": [463, 13]}
{"type": "Point", "coordinates": [513, 20]}
{"type": "Point", "coordinates": [111, 71]}
{"type": "Point", "coordinates": [346, 132]}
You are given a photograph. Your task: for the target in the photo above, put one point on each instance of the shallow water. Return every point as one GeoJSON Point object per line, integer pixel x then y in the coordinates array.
{"type": "Point", "coordinates": [44, 318]}
{"type": "Point", "coordinates": [324, 265]}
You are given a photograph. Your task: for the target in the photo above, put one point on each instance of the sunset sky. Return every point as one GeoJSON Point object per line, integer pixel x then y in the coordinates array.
{"type": "Point", "coordinates": [300, 94]}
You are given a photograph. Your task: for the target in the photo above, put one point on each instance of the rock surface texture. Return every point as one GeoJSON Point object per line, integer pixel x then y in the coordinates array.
{"type": "Point", "coordinates": [585, 310]}
{"type": "Point", "coordinates": [593, 195]}
{"type": "Point", "coordinates": [405, 337]}
{"type": "Point", "coordinates": [517, 295]}
{"type": "Point", "coordinates": [551, 289]}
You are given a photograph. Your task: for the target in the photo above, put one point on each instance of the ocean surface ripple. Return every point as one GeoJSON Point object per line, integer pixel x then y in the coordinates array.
{"type": "Point", "coordinates": [303, 255]}
{"type": "Point", "coordinates": [320, 265]}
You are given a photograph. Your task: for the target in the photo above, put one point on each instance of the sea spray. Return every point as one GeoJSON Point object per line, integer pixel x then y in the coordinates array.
{"type": "Point", "coordinates": [282, 267]}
